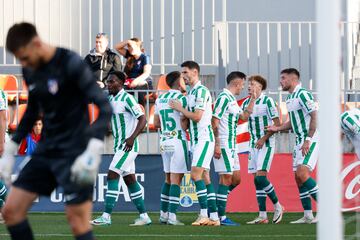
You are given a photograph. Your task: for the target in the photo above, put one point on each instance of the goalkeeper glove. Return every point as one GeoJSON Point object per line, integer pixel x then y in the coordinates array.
{"type": "Point", "coordinates": [7, 161]}
{"type": "Point", "coordinates": [86, 165]}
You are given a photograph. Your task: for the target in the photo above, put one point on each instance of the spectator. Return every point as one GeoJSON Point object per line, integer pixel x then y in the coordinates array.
{"type": "Point", "coordinates": [28, 144]}
{"type": "Point", "coordinates": [137, 67]}
{"type": "Point", "coordinates": [102, 59]}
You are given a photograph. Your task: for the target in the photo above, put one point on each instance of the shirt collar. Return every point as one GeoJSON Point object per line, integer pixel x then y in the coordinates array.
{"type": "Point", "coordinates": [297, 88]}
{"type": "Point", "coordinates": [228, 92]}
{"type": "Point", "coordinates": [174, 90]}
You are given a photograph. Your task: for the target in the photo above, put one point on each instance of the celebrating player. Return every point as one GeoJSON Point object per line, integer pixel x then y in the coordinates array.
{"type": "Point", "coordinates": [60, 86]}
{"type": "Point", "coordinates": [173, 147]}
{"type": "Point", "coordinates": [127, 122]}
{"type": "Point", "coordinates": [199, 113]}
{"type": "Point", "coordinates": [224, 122]}
{"type": "Point", "coordinates": [302, 113]}
{"type": "Point", "coordinates": [262, 147]}
{"type": "Point", "coordinates": [350, 124]}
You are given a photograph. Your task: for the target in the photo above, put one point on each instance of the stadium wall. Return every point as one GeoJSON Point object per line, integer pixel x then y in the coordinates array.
{"type": "Point", "coordinates": [242, 199]}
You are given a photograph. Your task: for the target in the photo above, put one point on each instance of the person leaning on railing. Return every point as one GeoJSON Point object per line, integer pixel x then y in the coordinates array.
{"type": "Point", "coordinates": [137, 67]}
{"type": "Point", "coordinates": [102, 60]}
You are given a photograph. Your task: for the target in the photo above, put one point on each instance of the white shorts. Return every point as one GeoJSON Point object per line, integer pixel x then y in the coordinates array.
{"type": "Point", "coordinates": [175, 156]}
{"type": "Point", "coordinates": [123, 163]}
{"type": "Point", "coordinates": [260, 159]}
{"type": "Point", "coordinates": [225, 164]}
{"type": "Point", "coordinates": [202, 154]}
{"type": "Point", "coordinates": [309, 160]}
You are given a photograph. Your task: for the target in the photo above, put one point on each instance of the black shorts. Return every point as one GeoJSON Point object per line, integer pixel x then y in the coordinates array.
{"type": "Point", "coordinates": [42, 175]}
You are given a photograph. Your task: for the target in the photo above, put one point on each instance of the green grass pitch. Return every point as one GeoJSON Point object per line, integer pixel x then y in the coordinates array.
{"type": "Point", "coordinates": [54, 226]}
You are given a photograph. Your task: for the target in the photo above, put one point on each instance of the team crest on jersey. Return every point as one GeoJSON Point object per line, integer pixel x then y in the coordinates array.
{"type": "Point", "coordinates": [53, 86]}
{"type": "Point", "coordinates": [187, 192]}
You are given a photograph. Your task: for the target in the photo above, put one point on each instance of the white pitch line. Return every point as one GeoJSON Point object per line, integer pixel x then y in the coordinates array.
{"type": "Point", "coordinates": [172, 235]}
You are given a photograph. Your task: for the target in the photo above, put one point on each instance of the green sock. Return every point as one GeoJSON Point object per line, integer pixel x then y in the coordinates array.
{"type": "Point", "coordinates": [221, 199]}
{"type": "Point", "coordinates": [260, 195]}
{"type": "Point", "coordinates": [211, 198]}
{"type": "Point", "coordinates": [112, 194]}
{"type": "Point", "coordinates": [201, 193]}
{"type": "Point", "coordinates": [136, 196]}
{"type": "Point", "coordinates": [174, 198]}
{"type": "Point", "coordinates": [305, 198]}
{"type": "Point", "coordinates": [164, 203]}
{"type": "Point", "coordinates": [312, 187]}
{"type": "Point", "coordinates": [268, 188]}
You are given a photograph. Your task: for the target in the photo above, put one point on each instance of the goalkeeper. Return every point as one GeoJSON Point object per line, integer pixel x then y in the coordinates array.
{"type": "Point", "coordinates": [68, 155]}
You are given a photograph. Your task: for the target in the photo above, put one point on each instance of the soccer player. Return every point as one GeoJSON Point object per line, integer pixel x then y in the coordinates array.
{"type": "Point", "coordinates": [60, 87]}
{"type": "Point", "coordinates": [173, 147]}
{"type": "Point", "coordinates": [199, 113]}
{"type": "Point", "coordinates": [3, 108]}
{"type": "Point", "coordinates": [262, 147]}
{"type": "Point", "coordinates": [226, 114]}
{"type": "Point", "coordinates": [127, 122]}
{"type": "Point", "coordinates": [350, 124]}
{"type": "Point", "coordinates": [303, 114]}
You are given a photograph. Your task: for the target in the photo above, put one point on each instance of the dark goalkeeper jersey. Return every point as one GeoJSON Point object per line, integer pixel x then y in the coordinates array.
{"type": "Point", "coordinates": [61, 90]}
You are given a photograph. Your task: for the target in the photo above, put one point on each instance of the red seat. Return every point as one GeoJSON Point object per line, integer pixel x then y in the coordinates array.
{"type": "Point", "coordinates": [151, 118]}
{"type": "Point", "coordinates": [23, 96]}
{"type": "Point", "coordinates": [16, 120]}
{"type": "Point", "coordinates": [9, 84]}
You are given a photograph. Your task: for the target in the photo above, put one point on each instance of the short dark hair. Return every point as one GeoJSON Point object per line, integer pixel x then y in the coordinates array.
{"type": "Point", "coordinates": [119, 75]}
{"type": "Point", "coordinates": [191, 65]}
{"type": "Point", "coordinates": [172, 77]}
{"type": "Point", "coordinates": [20, 35]}
{"type": "Point", "coordinates": [259, 79]}
{"type": "Point", "coordinates": [234, 75]}
{"type": "Point", "coordinates": [291, 71]}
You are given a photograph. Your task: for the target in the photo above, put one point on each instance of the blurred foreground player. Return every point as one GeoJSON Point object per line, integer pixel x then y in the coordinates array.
{"type": "Point", "coordinates": [68, 155]}
{"type": "Point", "coordinates": [350, 125]}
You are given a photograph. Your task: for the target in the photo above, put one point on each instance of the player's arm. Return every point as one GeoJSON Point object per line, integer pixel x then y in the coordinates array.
{"type": "Point", "coordinates": [84, 78]}
{"type": "Point", "coordinates": [133, 107]}
{"type": "Point", "coordinates": [255, 93]}
{"type": "Point", "coordinates": [157, 123]}
{"type": "Point", "coordinates": [309, 106]}
{"type": "Point", "coordinates": [260, 143]}
{"type": "Point", "coordinates": [129, 142]}
{"type": "Point", "coordinates": [272, 113]}
{"type": "Point", "coordinates": [184, 123]}
{"type": "Point", "coordinates": [199, 106]}
{"type": "Point", "coordinates": [283, 127]}
{"type": "Point", "coordinates": [215, 126]}
{"type": "Point", "coordinates": [2, 130]}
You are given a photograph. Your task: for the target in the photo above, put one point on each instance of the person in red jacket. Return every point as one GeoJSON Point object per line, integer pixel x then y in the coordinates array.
{"type": "Point", "coordinates": [28, 144]}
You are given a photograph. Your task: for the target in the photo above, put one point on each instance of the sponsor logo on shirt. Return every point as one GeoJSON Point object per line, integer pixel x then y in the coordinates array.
{"type": "Point", "coordinates": [53, 86]}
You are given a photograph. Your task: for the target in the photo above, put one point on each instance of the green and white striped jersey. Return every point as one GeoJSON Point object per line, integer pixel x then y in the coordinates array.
{"type": "Point", "coordinates": [126, 111]}
{"type": "Point", "coordinates": [170, 119]}
{"type": "Point", "coordinates": [300, 104]}
{"type": "Point", "coordinates": [263, 112]}
{"type": "Point", "coordinates": [227, 111]}
{"type": "Point", "coordinates": [3, 101]}
{"type": "Point", "coordinates": [350, 122]}
{"type": "Point", "coordinates": [200, 98]}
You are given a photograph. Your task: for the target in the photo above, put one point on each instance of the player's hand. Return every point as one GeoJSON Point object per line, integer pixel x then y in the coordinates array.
{"type": "Point", "coordinates": [7, 161]}
{"type": "Point", "coordinates": [272, 128]}
{"type": "Point", "coordinates": [217, 151]}
{"type": "Point", "coordinates": [176, 105]}
{"type": "Point", "coordinates": [259, 144]}
{"type": "Point", "coordinates": [255, 93]}
{"type": "Point", "coordinates": [85, 167]}
{"type": "Point", "coordinates": [129, 143]}
{"type": "Point", "coordinates": [305, 148]}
